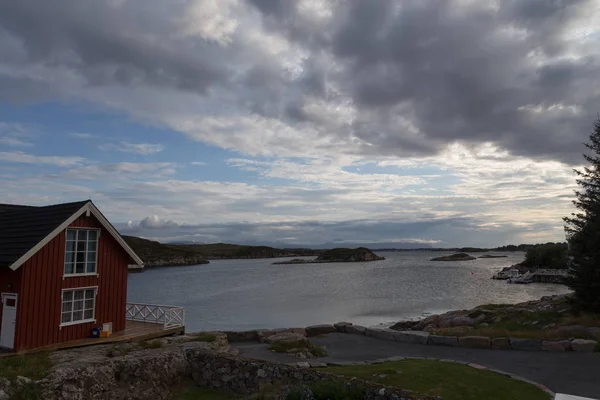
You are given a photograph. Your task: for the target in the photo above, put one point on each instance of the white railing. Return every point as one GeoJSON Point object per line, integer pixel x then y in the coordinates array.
{"type": "Point", "coordinates": [169, 316]}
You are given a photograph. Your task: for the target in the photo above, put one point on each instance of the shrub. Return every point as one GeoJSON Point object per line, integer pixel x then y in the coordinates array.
{"type": "Point", "coordinates": [549, 255]}
{"type": "Point", "coordinates": [205, 337]}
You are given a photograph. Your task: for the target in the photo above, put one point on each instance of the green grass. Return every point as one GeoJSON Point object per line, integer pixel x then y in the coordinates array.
{"type": "Point", "coordinates": [189, 391]}
{"type": "Point", "coordinates": [151, 344]}
{"type": "Point", "coordinates": [447, 380]}
{"type": "Point", "coordinates": [205, 337]}
{"type": "Point", "coordinates": [287, 346]}
{"type": "Point", "coordinates": [34, 366]}
{"type": "Point", "coordinates": [328, 390]}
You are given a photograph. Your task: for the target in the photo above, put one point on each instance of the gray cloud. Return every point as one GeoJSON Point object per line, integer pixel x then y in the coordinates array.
{"type": "Point", "coordinates": [434, 233]}
{"type": "Point", "coordinates": [415, 76]}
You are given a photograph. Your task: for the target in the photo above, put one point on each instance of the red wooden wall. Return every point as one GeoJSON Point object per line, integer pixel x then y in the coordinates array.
{"type": "Point", "coordinates": [10, 282]}
{"type": "Point", "coordinates": [40, 303]}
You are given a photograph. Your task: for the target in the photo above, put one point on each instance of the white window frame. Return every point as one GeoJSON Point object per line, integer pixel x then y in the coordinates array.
{"type": "Point", "coordinates": [74, 273]}
{"type": "Point", "coordinates": [82, 321]}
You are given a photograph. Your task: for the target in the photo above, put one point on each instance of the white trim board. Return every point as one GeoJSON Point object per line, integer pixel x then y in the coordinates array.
{"type": "Point", "coordinates": [88, 207]}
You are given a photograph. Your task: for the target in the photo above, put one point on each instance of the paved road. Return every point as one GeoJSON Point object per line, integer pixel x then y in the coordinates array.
{"type": "Point", "coordinates": [573, 373]}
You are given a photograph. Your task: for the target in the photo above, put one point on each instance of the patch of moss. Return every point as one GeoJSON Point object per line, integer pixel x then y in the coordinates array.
{"type": "Point", "coordinates": [34, 366]}
{"type": "Point", "coordinates": [205, 337]}
{"type": "Point", "coordinates": [151, 344]}
{"type": "Point", "coordinates": [290, 346]}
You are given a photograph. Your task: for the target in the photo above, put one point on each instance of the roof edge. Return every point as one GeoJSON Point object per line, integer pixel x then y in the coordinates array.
{"type": "Point", "coordinates": [88, 207]}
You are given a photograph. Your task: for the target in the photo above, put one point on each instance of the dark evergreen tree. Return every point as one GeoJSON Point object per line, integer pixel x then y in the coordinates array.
{"type": "Point", "coordinates": [583, 229]}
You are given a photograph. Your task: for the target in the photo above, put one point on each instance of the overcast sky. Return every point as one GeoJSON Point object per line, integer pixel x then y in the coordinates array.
{"type": "Point", "coordinates": [438, 122]}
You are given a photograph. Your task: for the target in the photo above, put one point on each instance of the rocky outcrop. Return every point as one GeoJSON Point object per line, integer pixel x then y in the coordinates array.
{"type": "Point", "coordinates": [455, 257]}
{"type": "Point", "coordinates": [361, 254]}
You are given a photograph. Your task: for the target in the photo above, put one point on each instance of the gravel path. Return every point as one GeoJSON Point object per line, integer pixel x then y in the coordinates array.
{"type": "Point", "coordinates": [573, 373]}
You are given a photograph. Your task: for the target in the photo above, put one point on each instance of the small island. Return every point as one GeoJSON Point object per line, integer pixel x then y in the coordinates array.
{"type": "Point", "coordinates": [455, 257]}
{"type": "Point", "coordinates": [361, 254]}
{"type": "Point", "coordinates": [492, 256]}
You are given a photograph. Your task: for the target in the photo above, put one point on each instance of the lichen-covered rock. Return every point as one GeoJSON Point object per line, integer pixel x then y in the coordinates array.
{"type": "Point", "coordinates": [286, 337]}
{"type": "Point", "coordinates": [583, 346]}
{"type": "Point", "coordinates": [501, 343]}
{"type": "Point", "coordinates": [316, 330]}
{"type": "Point", "coordinates": [342, 326]}
{"type": "Point", "coordinates": [451, 341]}
{"type": "Point", "coordinates": [415, 337]}
{"type": "Point", "coordinates": [526, 344]}
{"type": "Point", "coordinates": [480, 342]}
{"type": "Point", "coordinates": [554, 346]}
{"type": "Point", "coordinates": [356, 329]}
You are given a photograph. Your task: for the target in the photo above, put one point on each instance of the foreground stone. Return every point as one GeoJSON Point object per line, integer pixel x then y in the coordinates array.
{"type": "Point", "coordinates": [526, 344]}
{"type": "Point", "coordinates": [501, 343]}
{"type": "Point", "coordinates": [583, 346]}
{"type": "Point", "coordinates": [451, 341]}
{"type": "Point", "coordinates": [479, 342]}
{"type": "Point", "coordinates": [415, 337]}
{"type": "Point", "coordinates": [356, 329]}
{"type": "Point", "coordinates": [247, 376]}
{"type": "Point", "coordinates": [554, 346]}
{"type": "Point", "coordinates": [317, 330]}
{"type": "Point", "coordinates": [286, 337]}
{"type": "Point", "coordinates": [342, 326]}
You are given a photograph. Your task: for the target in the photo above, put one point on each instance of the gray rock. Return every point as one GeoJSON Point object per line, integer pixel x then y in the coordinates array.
{"type": "Point", "coordinates": [317, 364]}
{"type": "Point", "coordinates": [526, 344]}
{"type": "Point", "coordinates": [480, 342]}
{"type": "Point", "coordinates": [303, 364]}
{"type": "Point", "coordinates": [396, 358]}
{"type": "Point", "coordinates": [594, 332]}
{"type": "Point", "coordinates": [316, 330]}
{"type": "Point", "coordinates": [341, 326]}
{"type": "Point", "coordinates": [583, 346]}
{"type": "Point", "coordinates": [572, 331]}
{"type": "Point", "coordinates": [4, 395]}
{"type": "Point", "coordinates": [286, 337]}
{"type": "Point", "coordinates": [356, 329]}
{"type": "Point", "coordinates": [385, 334]}
{"type": "Point", "coordinates": [339, 363]}
{"type": "Point", "coordinates": [553, 346]}
{"type": "Point", "coordinates": [436, 340]}
{"type": "Point", "coordinates": [501, 343]}
{"type": "Point", "coordinates": [261, 373]}
{"type": "Point", "coordinates": [22, 380]}
{"type": "Point", "coordinates": [415, 337]}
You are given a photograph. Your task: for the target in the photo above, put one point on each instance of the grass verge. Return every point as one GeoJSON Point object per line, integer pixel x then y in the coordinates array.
{"type": "Point", "coordinates": [447, 380]}
{"type": "Point", "coordinates": [295, 346]}
{"type": "Point", "coordinates": [34, 366]}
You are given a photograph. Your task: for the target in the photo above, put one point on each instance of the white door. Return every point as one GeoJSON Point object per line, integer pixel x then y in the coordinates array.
{"type": "Point", "coordinates": [9, 320]}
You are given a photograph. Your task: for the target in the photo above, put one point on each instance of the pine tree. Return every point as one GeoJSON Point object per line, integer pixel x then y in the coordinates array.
{"type": "Point", "coordinates": [583, 229]}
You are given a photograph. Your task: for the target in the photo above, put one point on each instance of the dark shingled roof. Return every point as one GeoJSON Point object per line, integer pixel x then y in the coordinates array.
{"type": "Point", "coordinates": [22, 227]}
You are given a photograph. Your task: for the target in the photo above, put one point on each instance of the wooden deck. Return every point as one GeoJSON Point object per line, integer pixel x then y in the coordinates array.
{"type": "Point", "coordinates": [134, 331]}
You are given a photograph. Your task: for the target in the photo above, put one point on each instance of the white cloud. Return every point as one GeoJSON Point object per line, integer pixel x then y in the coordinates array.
{"type": "Point", "coordinates": [144, 149]}
{"type": "Point", "coordinates": [81, 135]}
{"type": "Point", "coordinates": [20, 157]}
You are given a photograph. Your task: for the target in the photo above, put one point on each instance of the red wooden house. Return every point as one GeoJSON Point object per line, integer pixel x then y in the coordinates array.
{"type": "Point", "coordinates": [63, 271]}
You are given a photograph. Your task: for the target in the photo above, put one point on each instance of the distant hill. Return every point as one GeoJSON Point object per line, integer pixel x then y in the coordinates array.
{"type": "Point", "coordinates": [155, 254]}
{"type": "Point", "coordinates": [158, 254]}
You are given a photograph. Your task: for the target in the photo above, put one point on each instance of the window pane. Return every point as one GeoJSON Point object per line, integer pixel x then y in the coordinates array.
{"type": "Point", "coordinates": [91, 268]}
{"type": "Point", "coordinates": [91, 256]}
{"type": "Point", "coordinates": [82, 235]}
{"type": "Point", "coordinates": [70, 245]}
{"type": "Point", "coordinates": [67, 296]}
{"type": "Point", "coordinates": [89, 304]}
{"type": "Point", "coordinates": [77, 315]}
{"type": "Point", "coordinates": [88, 314]}
{"type": "Point", "coordinates": [78, 294]}
{"type": "Point", "coordinates": [69, 257]}
{"type": "Point", "coordinates": [66, 317]}
{"type": "Point", "coordinates": [89, 293]}
{"type": "Point", "coordinates": [92, 245]}
{"type": "Point", "coordinates": [71, 234]}
{"type": "Point", "coordinates": [80, 268]}
{"type": "Point", "coordinates": [78, 305]}
{"type": "Point", "coordinates": [69, 268]}
{"type": "Point", "coordinates": [92, 235]}
{"type": "Point", "coordinates": [81, 246]}
{"type": "Point", "coordinates": [68, 306]}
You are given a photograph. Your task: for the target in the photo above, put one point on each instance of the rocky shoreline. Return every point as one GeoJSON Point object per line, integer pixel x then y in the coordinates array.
{"type": "Point", "coordinates": [361, 254]}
